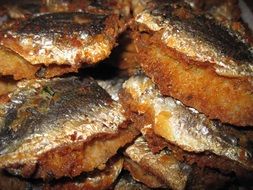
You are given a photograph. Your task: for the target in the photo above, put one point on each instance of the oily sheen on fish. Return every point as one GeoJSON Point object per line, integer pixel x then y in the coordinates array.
{"type": "Point", "coordinates": [60, 127]}
{"type": "Point", "coordinates": [183, 126]}
{"type": "Point", "coordinates": [197, 59]}
{"type": "Point", "coordinates": [80, 34]}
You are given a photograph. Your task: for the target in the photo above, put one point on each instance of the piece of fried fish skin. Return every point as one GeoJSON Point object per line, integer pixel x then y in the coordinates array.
{"type": "Point", "coordinates": [184, 126]}
{"type": "Point", "coordinates": [60, 127]}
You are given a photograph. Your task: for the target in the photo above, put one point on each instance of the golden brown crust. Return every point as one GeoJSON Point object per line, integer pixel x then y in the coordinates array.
{"type": "Point", "coordinates": [95, 180]}
{"type": "Point", "coordinates": [14, 65]}
{"type": "Point", "coordinates": [79, 157]}
{"type": "Point", "coordinates": [227, 99]}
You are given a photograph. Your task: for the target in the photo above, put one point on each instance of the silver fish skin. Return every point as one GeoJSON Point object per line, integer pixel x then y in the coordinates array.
{"type": "Point", "coordinates": [184, 126]}
{"type": "Point", "coordinates": [198, 36]}
{"type": "Point", "coordinates": [45, 114]}
{"type": "Point", "coordinates": [112, 86]}
{"type": "Point", "coordinates": [163, 165]}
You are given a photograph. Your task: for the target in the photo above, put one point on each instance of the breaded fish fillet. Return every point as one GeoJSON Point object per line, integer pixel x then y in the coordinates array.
{"type": "Point", "coordinates": [185, 127]}
{"type": "Point", "coordinates": [60, 127]}
{"type": "Point", "coordinates": [186, 58]}
{"type": "Point", "coordinates": [149, 168]}
{"type": "Point", "coordinates": [198, 37]}
{"type": "Point", "coordinates": [65, 39]}
{"type": "Point", "coordinates": [96, 180]}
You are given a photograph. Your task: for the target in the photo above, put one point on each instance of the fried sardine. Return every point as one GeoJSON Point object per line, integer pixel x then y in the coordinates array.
{"type": "Point", "coordinates": [60, 127]}
{"type": "Point", "coordinates": [162, 170]}
{"type": "Point", "coordinates": [198, 60]}
{"type": "Point", "coordinates": [62, 39]}
{"type": "Point", "coordinates": [163, 165]}
{"type": "Point", "coordinates": [185, 127]}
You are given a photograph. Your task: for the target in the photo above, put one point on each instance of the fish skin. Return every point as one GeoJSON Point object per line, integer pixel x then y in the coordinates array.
{"type": "Point", "coordinates": [199, 36]}
{"type": "Point", "coordinates": [82, 37]}
{"type": "Point", "coordinates": [163, 165]}
{"type": "Point", "coordinates": [43, 115]}
{"type": "Point", "coordinates": [112, 86]}
{"type": "Point", "coordinates": [184, 126]}
{"type": "Point", "coordinates": [79, 32]}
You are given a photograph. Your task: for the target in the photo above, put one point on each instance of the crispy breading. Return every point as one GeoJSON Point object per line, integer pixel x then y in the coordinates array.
{"type": "Point", "coordinates": [16, 66]}
{"type": "Point", "coordinates": [227, 99]}
{"type": "Point", "coordinates": [95, 180]}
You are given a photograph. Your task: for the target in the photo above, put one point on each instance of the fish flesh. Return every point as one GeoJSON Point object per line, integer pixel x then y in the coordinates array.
{"type": "Point", "coordinates": [183, 126]}
{"type": "Point", "coordinates": [96, 180]}
{"type": "Point", "coordinates": [163, 165]}
{"type": "Point", "coordinates": [112, 86]}
{"type": "Point", "coordinates": [60, 127]}
{"type": "Point", "coordinates": [195, 82]}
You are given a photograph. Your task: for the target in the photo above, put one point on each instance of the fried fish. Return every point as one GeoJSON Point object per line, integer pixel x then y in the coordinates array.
{"type": "Point", "coordinates": [185, 127]}
{"type": "Point", "coordinates": [167, 169]}
{"type": "Point", "coordinates": [60, 127]}
{"type": "Point", "coordinates": [66, 40]}
{"type": "Point", "coordinates": [149, 169]}
{"type": "Point", "coordinates": [196, 59]}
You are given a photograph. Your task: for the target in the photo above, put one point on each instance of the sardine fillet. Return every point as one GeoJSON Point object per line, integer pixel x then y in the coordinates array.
{"type": "Point", "coordinates": [227, 99]}
{"type": "Point", "coordinates": [184, 127]}
{"type": "Point", "coordinates": [60, 127]}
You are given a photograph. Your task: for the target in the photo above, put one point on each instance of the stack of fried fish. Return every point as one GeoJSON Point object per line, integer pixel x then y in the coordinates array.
{"type": "Point", "coordinates": [125, 94]}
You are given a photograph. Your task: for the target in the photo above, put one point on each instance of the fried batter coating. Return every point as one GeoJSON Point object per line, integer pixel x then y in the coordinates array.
{"type": "Point", "coordinates": [95, 180]}
{"type": "Point", "coordinates": [227, 99]}
{"type": "Point", "coordinates": [16, 66]}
